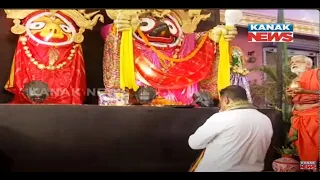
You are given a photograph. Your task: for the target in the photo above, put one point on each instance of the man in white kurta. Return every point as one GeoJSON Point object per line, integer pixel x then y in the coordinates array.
{"type": "Point", "coordinates": [236, 139]}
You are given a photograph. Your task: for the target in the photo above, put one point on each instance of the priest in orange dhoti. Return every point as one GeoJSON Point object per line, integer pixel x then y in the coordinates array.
{"type": "Point", "coordinates": [304, 91]}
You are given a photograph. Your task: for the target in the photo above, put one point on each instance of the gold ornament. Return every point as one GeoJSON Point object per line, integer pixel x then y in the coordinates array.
{"type": "Point", "coordinates": [53, 56]}
{"type": "Point", "coordinates": [17, 28]}
{"type": "Point", "coordinates": [78, 38]}
{"type": "Point", "coordinates": [239, 105]}
{"type": "Point", "coordinates": [132, 14]}
{"type": "Point", "coordinates": [114, 13]}
{"type": "Point", "coordinates": [80, 18]}
{"type": "Point", "coordinates": [188, 19]}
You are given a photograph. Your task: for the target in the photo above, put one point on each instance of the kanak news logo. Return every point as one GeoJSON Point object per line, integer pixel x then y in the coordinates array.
{"type": "Point", "coordinates": [270, 32]}
{"type": "Point", "coordinates": [308, 165]}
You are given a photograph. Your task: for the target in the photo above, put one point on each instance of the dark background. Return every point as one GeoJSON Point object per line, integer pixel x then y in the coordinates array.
{"type": "Point", "coordinates": [90, 138]}
{"type": "Point", "coordinates": [92, 49]}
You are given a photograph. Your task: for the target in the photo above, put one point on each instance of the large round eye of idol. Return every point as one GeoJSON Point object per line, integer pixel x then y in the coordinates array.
{"type": "Point", "coordinates": [37, 25]}
{"type": "Point", "coordinates": [65, 28]}
{"type": "Point", "coordinates": [147, 24]}
{"type": "Point", "coordinates": [172, 27]}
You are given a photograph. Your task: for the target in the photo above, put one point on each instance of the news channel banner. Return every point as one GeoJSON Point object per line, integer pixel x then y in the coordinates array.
{"type": "Point", "coordinates": [308, 165]}
{"type": "Point", "coordinates": [270, 32]}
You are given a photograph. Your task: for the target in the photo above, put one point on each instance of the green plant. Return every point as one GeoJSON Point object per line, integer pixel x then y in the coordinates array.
{"type": "Point", "coordinates": [267, 90]}
{"type": "Point", "coordinates": [287, 150]}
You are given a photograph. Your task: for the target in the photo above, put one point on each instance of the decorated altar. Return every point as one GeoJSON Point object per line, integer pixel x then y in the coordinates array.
{"type": "Point", "coordinates": [152, 56]}
{"type": "Point", "coordinates": [157, 56]}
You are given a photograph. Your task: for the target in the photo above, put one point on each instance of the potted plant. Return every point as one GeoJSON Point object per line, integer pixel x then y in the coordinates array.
{"type": "Point", "coordinates": [287, 162]}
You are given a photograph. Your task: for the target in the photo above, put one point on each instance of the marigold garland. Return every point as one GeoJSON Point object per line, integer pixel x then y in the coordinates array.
{"type": "Point", "coordinates": [164, 57]}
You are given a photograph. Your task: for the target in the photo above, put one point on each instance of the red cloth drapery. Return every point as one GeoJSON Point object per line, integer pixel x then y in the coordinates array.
{"type": "Point", "coordinates": [181, 74]}
{"type": "Point", "coordinates": [67, 84]}
{"type": "Point", "coordinates": [305, 122]}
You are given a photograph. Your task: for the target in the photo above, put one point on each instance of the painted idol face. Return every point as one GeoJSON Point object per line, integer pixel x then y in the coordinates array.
{"type": "Point", "coordinates": [160, 32]}
{"type": "Point", "coordinates": [50, 29]}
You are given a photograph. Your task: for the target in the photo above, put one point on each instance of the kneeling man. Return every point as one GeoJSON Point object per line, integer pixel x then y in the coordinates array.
{"type": "Point", "coordinates": [234, 140]}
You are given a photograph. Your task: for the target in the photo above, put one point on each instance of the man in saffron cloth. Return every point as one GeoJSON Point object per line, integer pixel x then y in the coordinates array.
{"type": "Point", "coordinates": [232, 140]}
{"type": "Point", "coordinates": [160, 48]}
{"type": "Point", "coordinates": [48, 65]}
{"type": "Point", "coordinates": [304, 92]}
